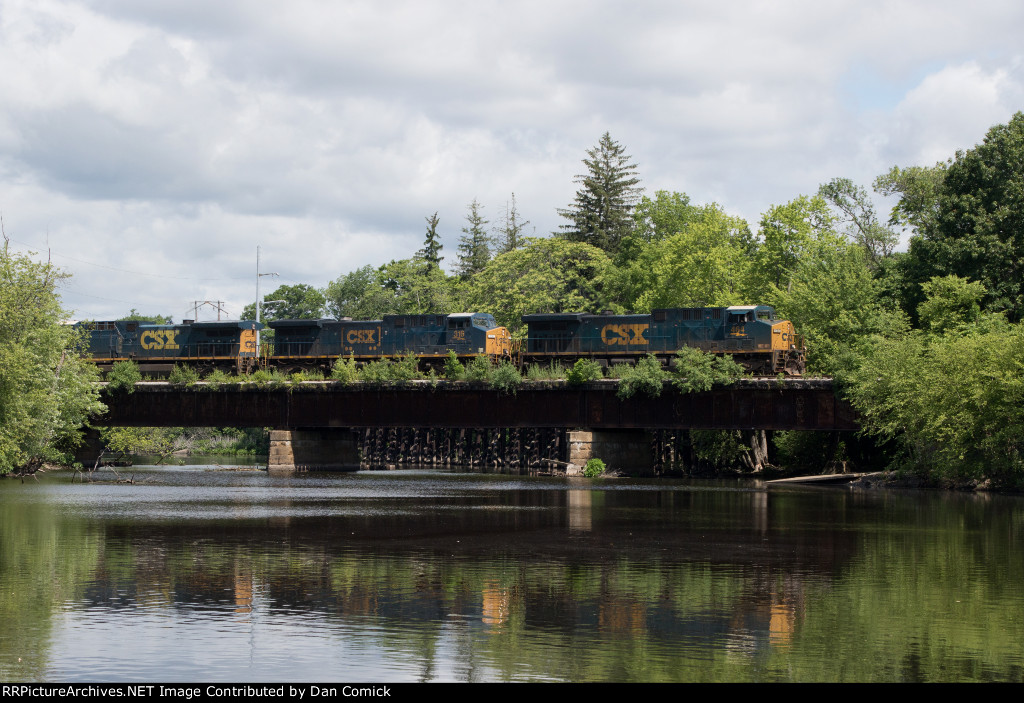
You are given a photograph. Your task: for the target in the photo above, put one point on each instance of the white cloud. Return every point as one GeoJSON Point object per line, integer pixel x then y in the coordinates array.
{"type": "Point", "coordinates": [178, 135]}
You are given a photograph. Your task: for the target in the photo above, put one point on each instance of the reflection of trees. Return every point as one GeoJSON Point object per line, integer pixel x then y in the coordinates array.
{"type": "Point", "coordinates": [45, 559]}
{"type": "Point", "coordinates": [489, 593]}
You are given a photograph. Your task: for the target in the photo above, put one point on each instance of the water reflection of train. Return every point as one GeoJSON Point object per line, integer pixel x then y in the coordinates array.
{"type": "Point", "coordinates": [751, 334]}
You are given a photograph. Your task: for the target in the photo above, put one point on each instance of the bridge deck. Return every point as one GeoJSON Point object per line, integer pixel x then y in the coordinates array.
{"type": "Point", "coordinates": [748, 404]}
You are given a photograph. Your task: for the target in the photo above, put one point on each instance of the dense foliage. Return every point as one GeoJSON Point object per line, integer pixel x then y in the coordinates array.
{"type": "Point", "coordinates": [300, 301]}
{"type": "Point", "coordinates": [46, 391]}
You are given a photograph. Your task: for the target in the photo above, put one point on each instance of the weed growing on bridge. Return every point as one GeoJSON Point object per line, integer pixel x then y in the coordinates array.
{"type": "Point", "coordinates": [123, 377]}
{"type": "Point", "coordinates": [405, 368]}
{"type": "Point", "coordinates": [345, 370]}
{"type": "Point", "coordinates": [479, 370]}
{"type": "Point", "coordinates": [217, 378]}
{"type": "Point", "coordinates": [647, 377]}
{"type": "Point", "coordinates": [552, 372]}
{"type": "Point", "coordinates": [453, 368]}
{"type": "Point", "coordinates": [271, 378]}
{"type": "Point", "coordinates": [184, 375]}
{"type": "Point", "coordinates": [695, 370]}
{"type": "Point", "coordinates": [584, 370]}
{"type": "Point", "coordinates": [506, 378]}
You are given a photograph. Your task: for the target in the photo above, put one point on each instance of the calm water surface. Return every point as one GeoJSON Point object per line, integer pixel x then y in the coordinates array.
{"type": "Point", "coordinates": [195, 573]}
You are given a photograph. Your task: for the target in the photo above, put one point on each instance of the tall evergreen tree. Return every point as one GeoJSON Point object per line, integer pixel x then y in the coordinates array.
{"type": "Point", "coordinates": [600, 213]}
{"type": "Point", "coordinates": [474, 246]}
{"type": "Point", "coordinates": [431, 251]}
{"type": "Point", "coordinates": [509, 234]}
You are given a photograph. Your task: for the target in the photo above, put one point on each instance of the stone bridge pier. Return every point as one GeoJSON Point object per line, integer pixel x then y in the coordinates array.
{"type": "Point", "coordinates": [315, 449]}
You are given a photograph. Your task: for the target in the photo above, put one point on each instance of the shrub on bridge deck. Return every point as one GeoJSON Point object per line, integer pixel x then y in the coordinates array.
{"type": "Point", "coordinates": [506, 378]}
{"type": "Point", "coordinates": [696, 371]}
{"type": "Point", "coordinates": [216, 378]}
{"type": "Point", "coordinates": [185, 375]}
{"type": "Point", "coordinates": [479, 369]}
{"type": "Point", "coordinates": [268, 377]}
{"type": "Point", "coordinates": [453, 368]}
{"type": "Point", "coordinates": [647, 377]}
{"type": "Point", "coordinates": [405, 368]}
{"type": "Point", "coordinates": [552, 372]}
{"type": "Point", "coordinates": [584, 370]}
{"type": "Point", "coordinates": [345, 370]}
{"type": "Point", "coordinates": [123, 376]}
{"type": "Point", "coordinates": [402, 368]}
{"type": "Point", "coordinates": [376, 371]}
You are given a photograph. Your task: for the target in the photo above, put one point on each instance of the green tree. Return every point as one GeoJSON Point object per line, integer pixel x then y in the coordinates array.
{"type": "Point", "coordinates": [509, 234]}
{"type": "Point", "coordinates": [656, 219]}
{"type": "Point", "coordinates": [416, 289]}
{"type": "Point", "coordinates": [786, 232]}
{"type": "Point", "coordinates": [952, 401]}
{"type": "Point", "coordinates": [704, 264]}
{"type": "Point", "coordinates": [862, 225]}
{"type": "Point", "coordinates": [600, 214]}
{"type": "Point", "coordinates": [545, 275]}
{"type": "Point", "coordinates": [977, 231]}
{"type": "Point", "coordinates": [46, 390]}
{"type": "Point", "coordinates": [359, 294]}
{"type": "Point", "coordinates": [134, 315]}
{"type": "Point", "coordinates": [951, 302]}
{"type": "Point", "coordinates": [918, 188]}
{"type": "Point", "coordinates": [404, 286]}
{"type": "Point", "coordinates": [155, 441]}
{"type": "Point", "coordinates": [474, 247]}
{"type": "Point", "coordinates": [833, 300]}
{"type": "Point", "coordinates": [431, 251]}
{"type": "Point", "coordinates": [301, 302]}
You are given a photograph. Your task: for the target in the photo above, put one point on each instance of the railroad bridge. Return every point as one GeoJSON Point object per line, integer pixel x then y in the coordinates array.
{"type": "Point", "coordinates": [321, 425]}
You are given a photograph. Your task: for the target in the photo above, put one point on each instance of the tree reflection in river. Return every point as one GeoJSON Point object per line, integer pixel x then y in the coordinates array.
{"type": "Point", "coordinates": [200, 575]}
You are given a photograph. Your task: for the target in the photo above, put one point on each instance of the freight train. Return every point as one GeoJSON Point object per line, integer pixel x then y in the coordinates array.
{"type": "Point", "coordinates": [229, 345]}
{"type": "Point", "coordinates": [751, 334]}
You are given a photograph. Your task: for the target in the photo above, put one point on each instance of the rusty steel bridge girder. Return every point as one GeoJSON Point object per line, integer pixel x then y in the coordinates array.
{"type": "Point", "coordinates": [749, 404]}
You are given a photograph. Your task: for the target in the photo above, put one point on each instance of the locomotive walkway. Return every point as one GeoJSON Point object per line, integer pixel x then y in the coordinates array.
{"type": "Point", "coordinates": [325, 425]}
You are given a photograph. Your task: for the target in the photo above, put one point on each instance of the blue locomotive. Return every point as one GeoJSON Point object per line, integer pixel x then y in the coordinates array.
{"type": "Point", "coordinates": [228, 345]}
{"type": "Point", "coordinates": [751, 334]}
{"type": "Point", "coordinates": [317, 344]}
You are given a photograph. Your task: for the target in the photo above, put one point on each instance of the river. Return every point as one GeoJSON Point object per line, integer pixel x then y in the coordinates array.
{"type": "Point", "coordinates": [196, 573]}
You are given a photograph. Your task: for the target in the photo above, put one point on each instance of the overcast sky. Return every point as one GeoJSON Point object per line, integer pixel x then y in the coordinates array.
{"type": "Point", "coordinates": [152, 145]}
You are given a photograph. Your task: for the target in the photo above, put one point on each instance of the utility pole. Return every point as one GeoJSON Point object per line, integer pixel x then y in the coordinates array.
{"type": "Point", "coordinates": [259, 303]}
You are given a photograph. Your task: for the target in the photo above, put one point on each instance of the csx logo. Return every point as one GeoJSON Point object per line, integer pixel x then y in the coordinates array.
{"type": "Point", "coordinates": [360, 336]}
{"type": "Point", "coordinates": [622, 335]}
{"type": "Point", "coordinates": [159, 339]}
